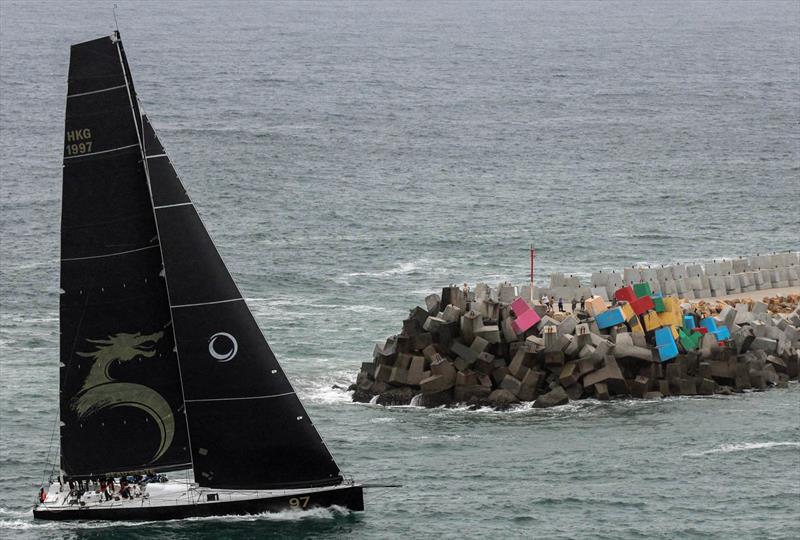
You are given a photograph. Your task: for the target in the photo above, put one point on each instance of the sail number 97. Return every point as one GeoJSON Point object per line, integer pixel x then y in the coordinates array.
{"type": "Point", "coordinates": [299, 502]}
{"type": "Point", "coordinates": [76, 149]}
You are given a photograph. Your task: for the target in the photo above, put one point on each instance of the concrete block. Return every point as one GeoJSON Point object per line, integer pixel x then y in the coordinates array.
{"type": "Point", "coordinates": [432, 323]}
{"type": "Point", "coordinates": [463, 394]}
{"type": "Point", "coordinates": [569, 374]}
{"type": "Point", "coordinates": [466, 378]}
{"type": "Point", "coordinates": [470, 322]}
{"type": "Point", "coordinates": [490, 333]}
{"type": "Point", "coordinates": [625, 294]}
{"type": "Point", "coordinates": [512, 384]}
{"type": "Point", "coordinates": [639, 386]}
{"type": "Point", "coordinates": [609, 374]}
{"type": "Point", "coordinates": [383, 373]}
{"type": "Point", "coordinates": [416, 370]}
{"type": "Point", "coordinates": [555, 397]}
{"type": "Point", "coordinates": [665, 344]}
{"type": "Point", "coordinates": [498, 374]}
{"type": "Point", "coordinates": [624, 347]}
{"type": "Point", "coordinates": [651, 321]}
{"type": "Point", "coordinates": [764, 344]}
{"type": "Point", "coordinates": [432, 302]}
{"type": "Point", "coordinates": [554, 360]}
{"type": "Point", "coordinates": [609, 318]}
{"type": "Point", "coordinates": [595, 306]}
{"type": "Point", "coordinates": [502, 397]}
{"type": "Point", "coordinates": [641, 290]}
{"type": "Point", "coordinates": [601, 391]}
{"type": "Point", "coordinates": [435, 384]}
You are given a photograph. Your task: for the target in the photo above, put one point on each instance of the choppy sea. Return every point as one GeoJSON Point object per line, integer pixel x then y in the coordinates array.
{"type": "Point", "coordinates": [350, 158]}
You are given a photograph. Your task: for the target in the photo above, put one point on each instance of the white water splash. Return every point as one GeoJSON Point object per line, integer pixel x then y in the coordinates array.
{"type": "Point", "coordinates": [742, 447]}
{"type": "Point", "coordinates": [25, 521]}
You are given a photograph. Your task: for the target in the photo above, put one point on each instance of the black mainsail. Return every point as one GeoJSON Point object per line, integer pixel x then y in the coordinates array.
{"type": "Point", "coordinates": [163, 364]}
{"type": "Point", "coordinates": [120, 397]}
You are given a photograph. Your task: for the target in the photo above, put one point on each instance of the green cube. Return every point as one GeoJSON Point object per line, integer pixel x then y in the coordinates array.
{"type": "Point", "coordinates": [659, 303]}
{"type": "Point", "coordinates": [690, 341]}
{"type": "Point", "coordinates": [642, 289]}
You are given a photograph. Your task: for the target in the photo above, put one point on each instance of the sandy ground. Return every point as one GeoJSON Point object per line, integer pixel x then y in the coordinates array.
{"type": "Point", "coordinates": [755, 295]}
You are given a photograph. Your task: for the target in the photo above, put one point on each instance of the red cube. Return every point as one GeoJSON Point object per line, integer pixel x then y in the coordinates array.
{"type": "Point", "coordinates": [640, 305]}
{"type": "Point", "coordinates": [626, 294]}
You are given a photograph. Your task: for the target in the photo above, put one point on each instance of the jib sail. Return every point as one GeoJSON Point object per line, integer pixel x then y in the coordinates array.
{"type": "Point", "coordinates": [247, 426]}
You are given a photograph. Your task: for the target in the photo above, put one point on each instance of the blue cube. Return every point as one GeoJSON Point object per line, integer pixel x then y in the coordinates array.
{"type": "Point", "coordinates": [665, 343]}
{"type": "Point", "coordinates": [709, 323]}
{"type": "Point", "coordinates": [688, 322]}
{"type": "Point", "coordinates": [609, 318]}
{"type": "Point", "coordinates": [722, 334]}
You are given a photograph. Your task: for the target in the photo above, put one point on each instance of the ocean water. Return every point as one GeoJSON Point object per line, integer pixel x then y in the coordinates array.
{"type": "Point", "coordinates": [350, 158]}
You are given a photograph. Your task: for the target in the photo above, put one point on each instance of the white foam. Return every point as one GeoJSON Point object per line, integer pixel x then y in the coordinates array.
{"type": "Point", "coordinates": [743, 447]}
{"type": "Point", "coordinates": [331, 512]}
{"type": "Point", "coordinates": [383, 420]}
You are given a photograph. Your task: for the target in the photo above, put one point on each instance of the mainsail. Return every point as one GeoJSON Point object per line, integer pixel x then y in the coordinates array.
{"type": "Point", "coordinates": [120, 396]}
{"type": "Point", "coordinates": [247, 426]}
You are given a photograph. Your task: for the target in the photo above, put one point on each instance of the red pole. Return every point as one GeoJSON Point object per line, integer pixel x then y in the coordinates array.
{"type": "Point", "coordinates": [533, 258]}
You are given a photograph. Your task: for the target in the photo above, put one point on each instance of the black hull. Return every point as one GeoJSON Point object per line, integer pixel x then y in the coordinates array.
{"type": "Point", "coordinates": [350, 497]}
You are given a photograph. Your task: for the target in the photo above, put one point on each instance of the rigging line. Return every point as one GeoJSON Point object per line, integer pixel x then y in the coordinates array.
{"type": "Point", "coordinates": [50, 450]}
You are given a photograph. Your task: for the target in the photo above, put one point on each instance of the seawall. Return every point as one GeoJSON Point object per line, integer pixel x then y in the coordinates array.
{"type": "Point", "coordinates": [635, 335]}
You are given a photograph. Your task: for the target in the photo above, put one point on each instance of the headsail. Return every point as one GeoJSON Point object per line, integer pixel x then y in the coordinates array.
{"type": "Point", "coordinates": [120, 401]}
{"type": "Point", "coordinates": [247, 426]}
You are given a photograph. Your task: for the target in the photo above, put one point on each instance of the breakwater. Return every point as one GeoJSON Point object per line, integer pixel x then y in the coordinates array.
{"type": "Point", "coordinates": [633, 334]}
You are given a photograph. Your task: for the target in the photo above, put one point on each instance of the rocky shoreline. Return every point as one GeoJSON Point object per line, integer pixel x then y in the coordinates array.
{"type": "Point", "coordinates": [495, 347]}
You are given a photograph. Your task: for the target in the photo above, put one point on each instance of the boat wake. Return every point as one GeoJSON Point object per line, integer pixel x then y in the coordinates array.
{"type": "Point", "coordinates": [23, 520]}
{"type": "Point", "coordinates": [743, 447]}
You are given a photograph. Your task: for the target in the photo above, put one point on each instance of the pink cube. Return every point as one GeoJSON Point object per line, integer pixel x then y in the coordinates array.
{"type": "Point", "coordinates": [526, 317]}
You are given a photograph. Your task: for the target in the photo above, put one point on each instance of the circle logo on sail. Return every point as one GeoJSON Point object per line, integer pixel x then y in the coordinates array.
{"type": "Point", "coordinates": [230, 350]}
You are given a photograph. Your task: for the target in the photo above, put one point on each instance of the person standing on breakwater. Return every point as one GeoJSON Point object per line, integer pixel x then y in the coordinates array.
{"type": "Point", "coordinates": [560, 305]}
{"type": "Point", "coordinates": [574, 303]}
{"type": "Point", "coordinates": [546, 302]}
{"type": "Point", "coordinates": [583, 301]}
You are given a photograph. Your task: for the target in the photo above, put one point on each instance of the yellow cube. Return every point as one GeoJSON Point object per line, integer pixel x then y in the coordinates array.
{"type": "Point", "coordinates": [595, 305]}
{"type": "Point", "coordinates": [668, 318]}
{"type": "Point", "coordinates": [636, 327]}
{"type": "Point", "coordinates": [627, 311]}
{"type": "Point", "coordinates": [652, 320]}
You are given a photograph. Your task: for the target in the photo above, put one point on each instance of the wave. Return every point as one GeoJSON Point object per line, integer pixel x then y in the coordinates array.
{"type": "Point", "coordinates": [743, 447]}
{"type": "Point", "coordinates": [401, 269]}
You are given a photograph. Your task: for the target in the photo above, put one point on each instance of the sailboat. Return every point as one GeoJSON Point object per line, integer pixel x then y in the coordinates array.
{"type": "Point", "coordinates": [163, 367]}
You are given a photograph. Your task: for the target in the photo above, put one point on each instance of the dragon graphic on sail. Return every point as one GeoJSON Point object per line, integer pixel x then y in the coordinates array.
{"type": "Point", "coordinates": [101, 391]}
